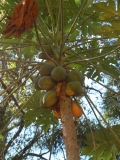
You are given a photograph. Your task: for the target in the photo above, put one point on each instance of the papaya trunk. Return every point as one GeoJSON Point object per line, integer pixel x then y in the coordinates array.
{"type": "Point", "coordinates": [69, 130]}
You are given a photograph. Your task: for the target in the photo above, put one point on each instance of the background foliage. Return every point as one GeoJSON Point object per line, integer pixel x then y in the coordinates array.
{"type": "Point", "coordinates": [90, 43]}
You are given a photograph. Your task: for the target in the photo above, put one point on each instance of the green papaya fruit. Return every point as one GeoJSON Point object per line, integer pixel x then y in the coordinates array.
{"type": "Point", "coordinates": [75, 75]}
{"type": "Point", "coordinates": [74, 88]}
{"type": "Point", "coordinates": [58, 73]}
{"type": "Point", "coordinates": [50, 98]}
{"type": "Point", "coordinates": [46, 83]}
{"type": "Point", "coordinates": [36, 86]}
{"type": "Point", "coordinates": [46, 69]}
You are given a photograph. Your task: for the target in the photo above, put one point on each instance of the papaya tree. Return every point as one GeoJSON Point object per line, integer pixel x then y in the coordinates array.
{"type": "Point", "coordinates": [49, 50]}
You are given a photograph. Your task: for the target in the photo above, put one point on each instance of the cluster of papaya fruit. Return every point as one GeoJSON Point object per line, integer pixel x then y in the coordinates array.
{"type": "Point", "coordinates": [50, 80]}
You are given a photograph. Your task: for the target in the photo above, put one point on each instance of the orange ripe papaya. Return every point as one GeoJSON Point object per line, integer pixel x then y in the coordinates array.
{"type": "Point", "coordinates": [76, 109]}
{"type": "Point", "coordinates": [56, 114]}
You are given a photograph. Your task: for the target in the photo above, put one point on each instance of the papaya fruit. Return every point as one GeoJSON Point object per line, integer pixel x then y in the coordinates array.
{"type": "Point", "coordinates": [48, 49]}
{"type": "Point", "coordinates": [75, 75]}
{"type": "Point", "coordinates": [58, 74]}
{"type": "Point", "coordinates": [50, 62]}
{"type": "Point", "coordinates": [50, 98]}
{"type": "Point", "coordinates": [46, 69]}
{"type": "Point", "coordinates": [56, 114]}
{"type": "Point", "coordinates": [41, 101]}
{"type": "Point", "coordinates": [74, 88]}
{"type": "Point", "coordinates": [36, 86]}
{"type": "Point", "coordinates": [46, 83]}
{"type": "Point", "coordinates": [76, 109]}
{"type": "Point", "coordinates": [69, 90]}
{"type": "Point", "coordinates": [80, 91]}
{"type": "Point", "coordinates": [42, 56]}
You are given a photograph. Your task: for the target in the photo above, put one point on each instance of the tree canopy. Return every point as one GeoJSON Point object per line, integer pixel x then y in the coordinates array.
{"type": "Point", "coordinates": [75, 34]}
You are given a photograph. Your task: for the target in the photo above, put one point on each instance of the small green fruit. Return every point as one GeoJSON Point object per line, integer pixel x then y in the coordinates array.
{"type": "Point", "coordinates": [46, 69]}
{"type": "Point", "coordinates": [58, 73]}
{"type": "Point", "coordinates": [75, 75]}
{"type": "Point", "coordinates": [50, 98]}
{"type": "Point", "coordinates": [36, 86]}
{"type": "Point", "coordinates": [46, 83]}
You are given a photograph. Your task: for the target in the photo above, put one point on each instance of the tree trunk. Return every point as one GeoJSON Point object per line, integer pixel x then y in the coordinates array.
{"type": "Point", "coordinates": [69, 130]}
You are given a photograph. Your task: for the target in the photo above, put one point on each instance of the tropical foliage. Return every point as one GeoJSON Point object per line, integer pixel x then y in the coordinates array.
{"type": "Point", "coordinates": [79, 34]}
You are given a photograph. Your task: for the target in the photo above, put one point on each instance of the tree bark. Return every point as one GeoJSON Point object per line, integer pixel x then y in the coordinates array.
{"type": "Point", "coordinates": [69, 130]}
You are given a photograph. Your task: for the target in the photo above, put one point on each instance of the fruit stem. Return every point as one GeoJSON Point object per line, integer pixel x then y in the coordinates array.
{"type": "Point", "coordinates": [69, 130]}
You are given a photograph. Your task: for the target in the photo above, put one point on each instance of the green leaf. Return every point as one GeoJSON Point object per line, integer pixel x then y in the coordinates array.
{"type": "Point", "coordinates": [29, 52]}
{"type": "Point", "coordinates": [74, 35]}
{"type": "Point", "coordinates": [101, 149]}
{"type": "Point", "coordinates": [118, 41]}
{"type": "Point", "coordinates": [105, 16]}
{"type": "Point", "coordinates": [84, 29]}
{"type": "Point", "coordinates": [37, 114]}
{"type": "Point", "coordinates": [107, 152]}
{"type": "Point", "coordinates": [11, 2]}
{"type": "Point", "coordinates": [1, 137]}
{"type": "Point", "coordinates": [116, 24]}
{"type": "Point", "coordinates": [106, 145]}
{"type": "Point", "coordinates": [90, 72]}
{"type": "Point", "coordinates": [88, 150]}
{"type": "Point", "coordinates": [92, 158]}
{"type": "Point", "coordinates": [46, 120]}
{"type": "Point", "coordinates": [105, 7]}
{"type": "Point", "coordinates": [95, 74]}
{"type": "Point", "coordinates": [116, 129]}
{"type": "Point", "coordinates": [77, 1]}
{"type": "Point", "coordinates": [46, 126]}
{"type": "Point", "coordinates": [104, 29]}
{"type": "Point", "coordinates": [110, 69]}
{"type": "Point", "coordinates": [9, 42]}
